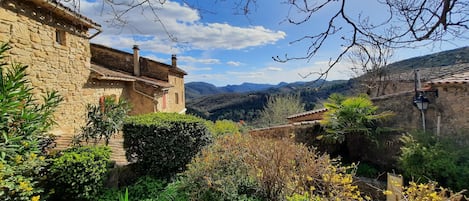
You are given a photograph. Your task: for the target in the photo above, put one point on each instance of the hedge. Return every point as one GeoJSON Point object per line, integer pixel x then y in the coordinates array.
{"type": "Point", "coordinates": [161, 144]}
{"type": "Point", "coordinates": [78, 173]}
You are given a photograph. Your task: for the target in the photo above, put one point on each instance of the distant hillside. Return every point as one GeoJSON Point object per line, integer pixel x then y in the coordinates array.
{"type": "Point", "coordinates": [199, 89]}
{"type": "Point", "coordinates": [445, 58]}
{"type": "Point", "coordinates": [246, 87]}
{"type": "Point", "coordinates": [247, 106]}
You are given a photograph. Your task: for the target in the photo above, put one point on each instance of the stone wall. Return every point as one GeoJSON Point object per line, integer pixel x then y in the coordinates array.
{"type": "Point", "coordinates": [111, 58]}
{"type": "Point", "coordinates": [450, 106]}
{"type": "Point", "coordinates": [174, 105]}
{"type": "Point", "coordinates": [407, 116]}
{"type": "Point", "coordinates": [31, 33]}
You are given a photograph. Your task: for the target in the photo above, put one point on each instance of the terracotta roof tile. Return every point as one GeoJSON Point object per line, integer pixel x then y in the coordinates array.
{"type": "Point", "coordinates": [66, 12]}
{"type": "Point", "coordinates": [454, 79]}
{"type": "Point", "coordinates": [307, 113]}
{"type": "Point", "coordinates": [108, 74]}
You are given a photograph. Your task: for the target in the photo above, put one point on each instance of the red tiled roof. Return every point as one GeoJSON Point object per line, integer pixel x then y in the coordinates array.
{"type": "Point", "coordinates": [108, 74]}
{"type": "Point", "coordinates": [454, 79]}
{"type": "Point", "coordinates": [62, 10]}
{"type": "Point", "coordinates": [307, 113]}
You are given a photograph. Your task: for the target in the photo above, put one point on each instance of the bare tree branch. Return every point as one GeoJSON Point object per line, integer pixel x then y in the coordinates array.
{"type": "Point", "coordinates": [404, 23]}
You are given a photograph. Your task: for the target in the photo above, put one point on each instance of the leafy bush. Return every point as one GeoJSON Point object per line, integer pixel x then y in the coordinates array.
{"type": "Point", "coordinates": [104, 120]}
{"type": "Point", "coordinates": [426, 157]}
{"type": "Point", "coordinates": [161, 144]}
{"type": "Point", "coordinates": [78, 173]}
{"type": "Point", "coordinates": [145, 188]}
{"type": "Point", "coordinates": [351, 115]}
{"type": "Point", "coordinates": [283, 169]}
{"type": "Point", "coordinates": [223, 127]}
{"type": "Point", "coordinates": [173, 192]}
{"type": "Point", "coordinates": [219, 172]}
{"type": "Point", "coordinates": [367, 170]}
{"type": "Point", "coordinates": [426, 191]}
{"type": "Point", "coordinates": [24, 122]}
{"type": "Point", "coordinates": [238, 167]}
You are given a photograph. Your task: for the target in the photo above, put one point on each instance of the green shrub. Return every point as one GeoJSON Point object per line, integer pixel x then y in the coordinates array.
{"type": "Point", "coordinates": [219, 172]}
{"type": "Point", "coordinates": [78, 173]}
{"type": "Point", "coordinates": [24, 122]}
{"type": "Point", "coordinates": [223, 127]}
{"type": "Point", "coordinates": [161, 144]}
{"type": "Point", "coordinates": [173, 192]}
{"type": "Point", "coordinates": [351, 115]}
{"type": "Point", "coordinates": [103, 120]}
{"type": "Point", "coordinates": [426, 157]}
{"type": "Point", "coordinates": [144, 188]}
{"type": "Point", "coordinates": [367, 170]}
{"type": "Point", "coordinates": [240, 167]}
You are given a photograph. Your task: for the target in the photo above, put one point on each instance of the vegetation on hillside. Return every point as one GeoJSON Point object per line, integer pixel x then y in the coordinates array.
{"type": "Point", "coordinates": [248, 107]}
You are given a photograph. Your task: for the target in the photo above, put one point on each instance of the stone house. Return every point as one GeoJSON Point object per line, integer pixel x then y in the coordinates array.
{"type": "Point", "coordinates": [149, 86]}
{"type": "Point", "coordinates": [55, 42]}
{"type": "Point", "coordinates": [448, 108]}
{"type": "Point", "coordinates": [447, 89]}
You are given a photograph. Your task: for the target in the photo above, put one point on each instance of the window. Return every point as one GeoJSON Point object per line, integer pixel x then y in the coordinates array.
{"type": "Point", "coordinates": [60, 37]}
{"type": "Point", "coordinates": [176, 98]}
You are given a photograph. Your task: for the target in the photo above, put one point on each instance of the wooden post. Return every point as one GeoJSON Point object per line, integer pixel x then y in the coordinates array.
{"type": "Point", "coordinates": [394, 186]}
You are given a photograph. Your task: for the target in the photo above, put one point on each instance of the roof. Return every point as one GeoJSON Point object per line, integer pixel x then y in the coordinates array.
{"type": "Point", "coordinates": [454, 79]}
{"type": "Point", "coordinates": [307, 113]}
{"type": "Point", "coordinates": [67, 13]}
{"type": "Point", "coordinates": [170, 67]}
{"type": "Point", "coordinates": [108, 74]}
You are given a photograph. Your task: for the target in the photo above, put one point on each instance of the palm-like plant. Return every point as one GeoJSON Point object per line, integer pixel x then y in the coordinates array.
{"type": "Point", "coordinates": [351, 115]}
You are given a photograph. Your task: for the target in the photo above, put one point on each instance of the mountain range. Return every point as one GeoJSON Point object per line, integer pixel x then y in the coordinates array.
{"type": "Point", "coordinates": [245, 101]}
{"type": "Point", "coordinates": [198, 89]}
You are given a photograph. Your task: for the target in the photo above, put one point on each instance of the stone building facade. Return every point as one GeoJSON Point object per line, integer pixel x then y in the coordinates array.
{"type": "Point", "coordinates": [448, 94]}
{"type": "Point", "coordinates": [149, 86]}
{"type": "Point", "coordinates": [55, 42]}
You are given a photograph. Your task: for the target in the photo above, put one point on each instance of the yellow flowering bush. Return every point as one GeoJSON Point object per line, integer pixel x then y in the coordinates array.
{"type": "Point", "coordinates": [285, 170]}
{"type": "Point", "coordinates": [428, 191]}
{"type": "Point", "coordinates": [241, 167]}
{"type": "Point", "coordinates": [23, 127]}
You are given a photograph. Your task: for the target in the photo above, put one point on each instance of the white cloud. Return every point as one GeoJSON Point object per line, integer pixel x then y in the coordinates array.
{"type": "Point", "coordinates": [192, 68]}
{"type": "Point", "coordinates": [190, 59]}
{"type": "Point", "coordinates": [274, 75]}
{"type": "Point", "coordinates": [246, 75]}
{"type": "Point", "coordinates": [150, 29]}
{"type": "Point", "coordinates": [234, 63]}
{"type": "Point", "coordinates": [272, 68]}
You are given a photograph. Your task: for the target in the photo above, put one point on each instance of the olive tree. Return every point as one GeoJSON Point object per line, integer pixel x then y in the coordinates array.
{"type": "Point", "coordinates": [278, 108]}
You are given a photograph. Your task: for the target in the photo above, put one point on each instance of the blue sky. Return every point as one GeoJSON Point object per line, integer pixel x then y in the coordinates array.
{"type": "Point", "coordinates": [216, 45]}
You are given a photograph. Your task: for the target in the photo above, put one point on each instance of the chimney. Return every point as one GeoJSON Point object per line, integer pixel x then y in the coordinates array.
{"type": "Point", "coordinates": [173, 60]}
{"type": "Point", "coordinates": [136, 61]}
